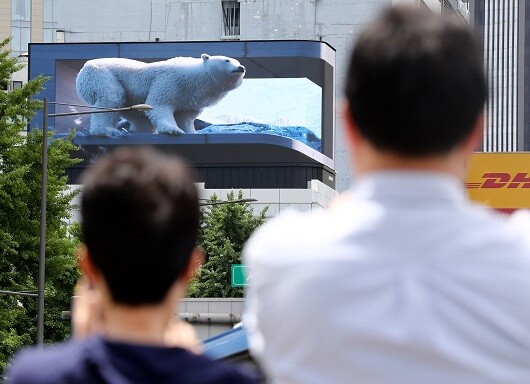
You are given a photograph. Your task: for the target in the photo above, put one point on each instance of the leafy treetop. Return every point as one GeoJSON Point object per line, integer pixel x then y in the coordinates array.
{"type": "Point", "coordinates": [224, 230]}
{"type": "Point", "coordinates": [20, 184]}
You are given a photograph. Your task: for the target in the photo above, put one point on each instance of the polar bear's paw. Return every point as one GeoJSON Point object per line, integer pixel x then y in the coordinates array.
{"type": "Point", "coordinates": [170, 130]}
{"type": "Point", "coordinates": [108, 132]}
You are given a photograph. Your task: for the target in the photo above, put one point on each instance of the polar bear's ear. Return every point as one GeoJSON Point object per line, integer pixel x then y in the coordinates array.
{"type": "Point", "coordinates": [205, 56]}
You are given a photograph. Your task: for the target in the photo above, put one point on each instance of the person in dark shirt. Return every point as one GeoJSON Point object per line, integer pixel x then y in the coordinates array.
{"type": "Point", "coordinates": [140, 217]}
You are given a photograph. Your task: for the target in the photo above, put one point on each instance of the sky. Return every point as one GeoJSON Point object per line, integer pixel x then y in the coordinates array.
{"type": "Point", "coordinates": [286, 101]}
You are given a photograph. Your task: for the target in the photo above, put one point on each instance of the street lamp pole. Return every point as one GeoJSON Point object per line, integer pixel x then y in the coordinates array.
{"type": "Point", "coordinates": [42, 244]}
{"type": "Point", "coordinates": [222, 202]}
{"type": "Point", "coordinates": [43, 200]}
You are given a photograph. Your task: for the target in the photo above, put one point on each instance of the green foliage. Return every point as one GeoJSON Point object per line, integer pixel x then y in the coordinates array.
{"type": "Point", "coordinates": [20, 188]}
{"type": "Point", "coordinates": [224, 230]}
{"type": "Point", "coordinates": [76, 231]}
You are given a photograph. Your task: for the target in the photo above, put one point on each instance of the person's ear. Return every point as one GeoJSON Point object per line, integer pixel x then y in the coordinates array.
{"type": "Point", "coordinates": [84, 261]}
{"type": "Point", "coordinates": [196, 259]}
{"type": "Point", "coordinates": [351, 129]}
{"type": "Point", "coordinates": [473, 141]}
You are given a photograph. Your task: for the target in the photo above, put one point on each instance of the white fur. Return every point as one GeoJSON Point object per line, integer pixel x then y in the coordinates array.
{"type": "Point", "coordinates": [178, 89]}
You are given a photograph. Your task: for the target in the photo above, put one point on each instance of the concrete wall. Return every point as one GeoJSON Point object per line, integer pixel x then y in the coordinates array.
{"type": "Point", "coordinates": [263, 19]}
{"type": "Point", "coordinates": [140, 20]}
{"type": "Point", "coordinates": [5, 19]}
{"type": "Point", "coordinates": [37, 20]}
{"type": "Point", "coordinates": [316, 196]}
{"type": "Point", "coordinates": [433, 5]}
{"type": "Point", "coordinates": [339, 22]}
{"type": "Point", "coordinates": [210, 317]}
{"type": "Point", "coordinates": [21, 75]}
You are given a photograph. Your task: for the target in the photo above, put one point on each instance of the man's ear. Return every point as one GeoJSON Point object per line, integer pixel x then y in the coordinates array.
{"type": "Point", "coordinates": [196, 259]}
{"type": "Point", "coordinates": [86, 265]}
{"type": "Point", "coordinates": [351, 130]}
{"type": "Point", "coordinates": [473, 141]}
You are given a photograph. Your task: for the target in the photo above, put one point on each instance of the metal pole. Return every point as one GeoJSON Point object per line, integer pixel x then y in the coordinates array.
{"type": "Point", "coordinates": [13, 293]}
{"type": "Point", "coordinates": [44, 187]}
{"type": "Point", "coordinates": [42, 247]}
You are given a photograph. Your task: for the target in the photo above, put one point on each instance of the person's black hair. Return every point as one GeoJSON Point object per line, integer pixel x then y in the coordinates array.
{"type": "Point", "coordinates": [415, 84]}
{"type": "Point", "coordinates": [140, 219]}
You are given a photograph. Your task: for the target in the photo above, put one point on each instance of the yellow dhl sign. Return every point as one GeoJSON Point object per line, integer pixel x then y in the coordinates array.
{"type": "Point", "coordinates": [500, 180]}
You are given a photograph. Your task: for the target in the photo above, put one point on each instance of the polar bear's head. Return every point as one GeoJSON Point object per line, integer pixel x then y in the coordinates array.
{"type": "Point", "coordinates": [227, 71]}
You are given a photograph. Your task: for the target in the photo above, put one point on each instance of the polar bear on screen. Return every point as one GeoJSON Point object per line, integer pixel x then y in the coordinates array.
{"type": "Point", "coordinates": [178, 89]}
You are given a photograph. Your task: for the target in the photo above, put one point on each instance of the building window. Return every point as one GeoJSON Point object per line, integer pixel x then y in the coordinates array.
{"type": "Point", "coordinates": [424, 7]}
{"type": "Point", "coordinates": [20, 26]}
{"type": "Point", "coordinates": [231, 17]}
{"type": "Point", "coordinates": [16, 85]}
{"type": "Point", "coordinates": [50, 24]}
{"type": "Point", "coordinates": [463, 8]}
{"type": "Point", "coordinates": [21, 10]}
{"type": "Point", "coordinates": [447, 8]}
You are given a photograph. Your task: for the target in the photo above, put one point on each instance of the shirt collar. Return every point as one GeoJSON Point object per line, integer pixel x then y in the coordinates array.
{"type": "Point", "coordinates": [424, 185]}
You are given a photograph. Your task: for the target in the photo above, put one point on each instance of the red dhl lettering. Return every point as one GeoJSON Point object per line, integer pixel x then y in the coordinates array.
{"type": "Point", "coordinates": [501, 180]}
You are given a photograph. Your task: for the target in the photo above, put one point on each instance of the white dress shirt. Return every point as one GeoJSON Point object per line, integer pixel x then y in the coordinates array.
{"type": "Point", "coordinates": [403, 281]}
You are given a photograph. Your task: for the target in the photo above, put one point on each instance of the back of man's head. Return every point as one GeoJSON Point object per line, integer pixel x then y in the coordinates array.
{"type": "Point", "coordinates": [415, 85]}
{"type": "Point", "coordinates": [140, 223]}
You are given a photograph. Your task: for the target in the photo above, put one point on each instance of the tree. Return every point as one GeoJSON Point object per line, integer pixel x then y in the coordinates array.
{"type": "Point", "coordinates": [224, 230]}
{"type": "Point", "coordinates": [20, 184]}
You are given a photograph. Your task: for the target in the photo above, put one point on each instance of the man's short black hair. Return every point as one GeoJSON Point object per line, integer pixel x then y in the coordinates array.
{"type": "Point", "coordinates": [140, 217]}
{"type": "Point", "coordinates": [415, 84]}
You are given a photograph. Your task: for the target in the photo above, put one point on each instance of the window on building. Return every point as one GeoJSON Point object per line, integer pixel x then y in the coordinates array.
{"type": "Point", "coordinates": [447, 8]}
{"type": "Point", "coordinates": [20, 26]}
{"type": "Point", "coordinates": [231, 18]}
{"type": "Point", "coordinates": [463, 8]}
{"type": "Point", "coordinates": [50, 22]}
{"type": "Point", "coordinates": [424, 7]}
{"type": "Point", "coordinates": [16, 85]}
{"type": "Point", "coordinates": [21, 10]}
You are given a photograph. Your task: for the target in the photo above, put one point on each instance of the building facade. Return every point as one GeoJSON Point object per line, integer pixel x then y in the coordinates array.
{"type": "Point", "coordinates": [500, 26]}
{"type": "Point", "coordinates": [27, 21]}
{"type": "Point", "coordinates": [336, 22]}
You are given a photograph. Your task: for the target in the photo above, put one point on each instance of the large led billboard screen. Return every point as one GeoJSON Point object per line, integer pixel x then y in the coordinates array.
{"type": "Point", "coordinates": [199, 92]}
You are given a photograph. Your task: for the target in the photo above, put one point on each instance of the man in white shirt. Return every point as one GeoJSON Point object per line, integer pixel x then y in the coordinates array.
{"type": "Point", "coordinates": [402, 280]}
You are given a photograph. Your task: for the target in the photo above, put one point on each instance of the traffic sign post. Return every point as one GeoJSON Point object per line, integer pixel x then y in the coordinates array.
{"type": "Point", "coordinates": [240, 275]}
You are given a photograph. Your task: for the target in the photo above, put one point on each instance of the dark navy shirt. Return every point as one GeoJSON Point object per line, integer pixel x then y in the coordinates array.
{"type": "Point", "coordinates": [96, 360]}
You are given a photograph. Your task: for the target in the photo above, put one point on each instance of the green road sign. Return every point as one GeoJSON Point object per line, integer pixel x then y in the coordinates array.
{"type": "Point", "coordinates": [240, 275]}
